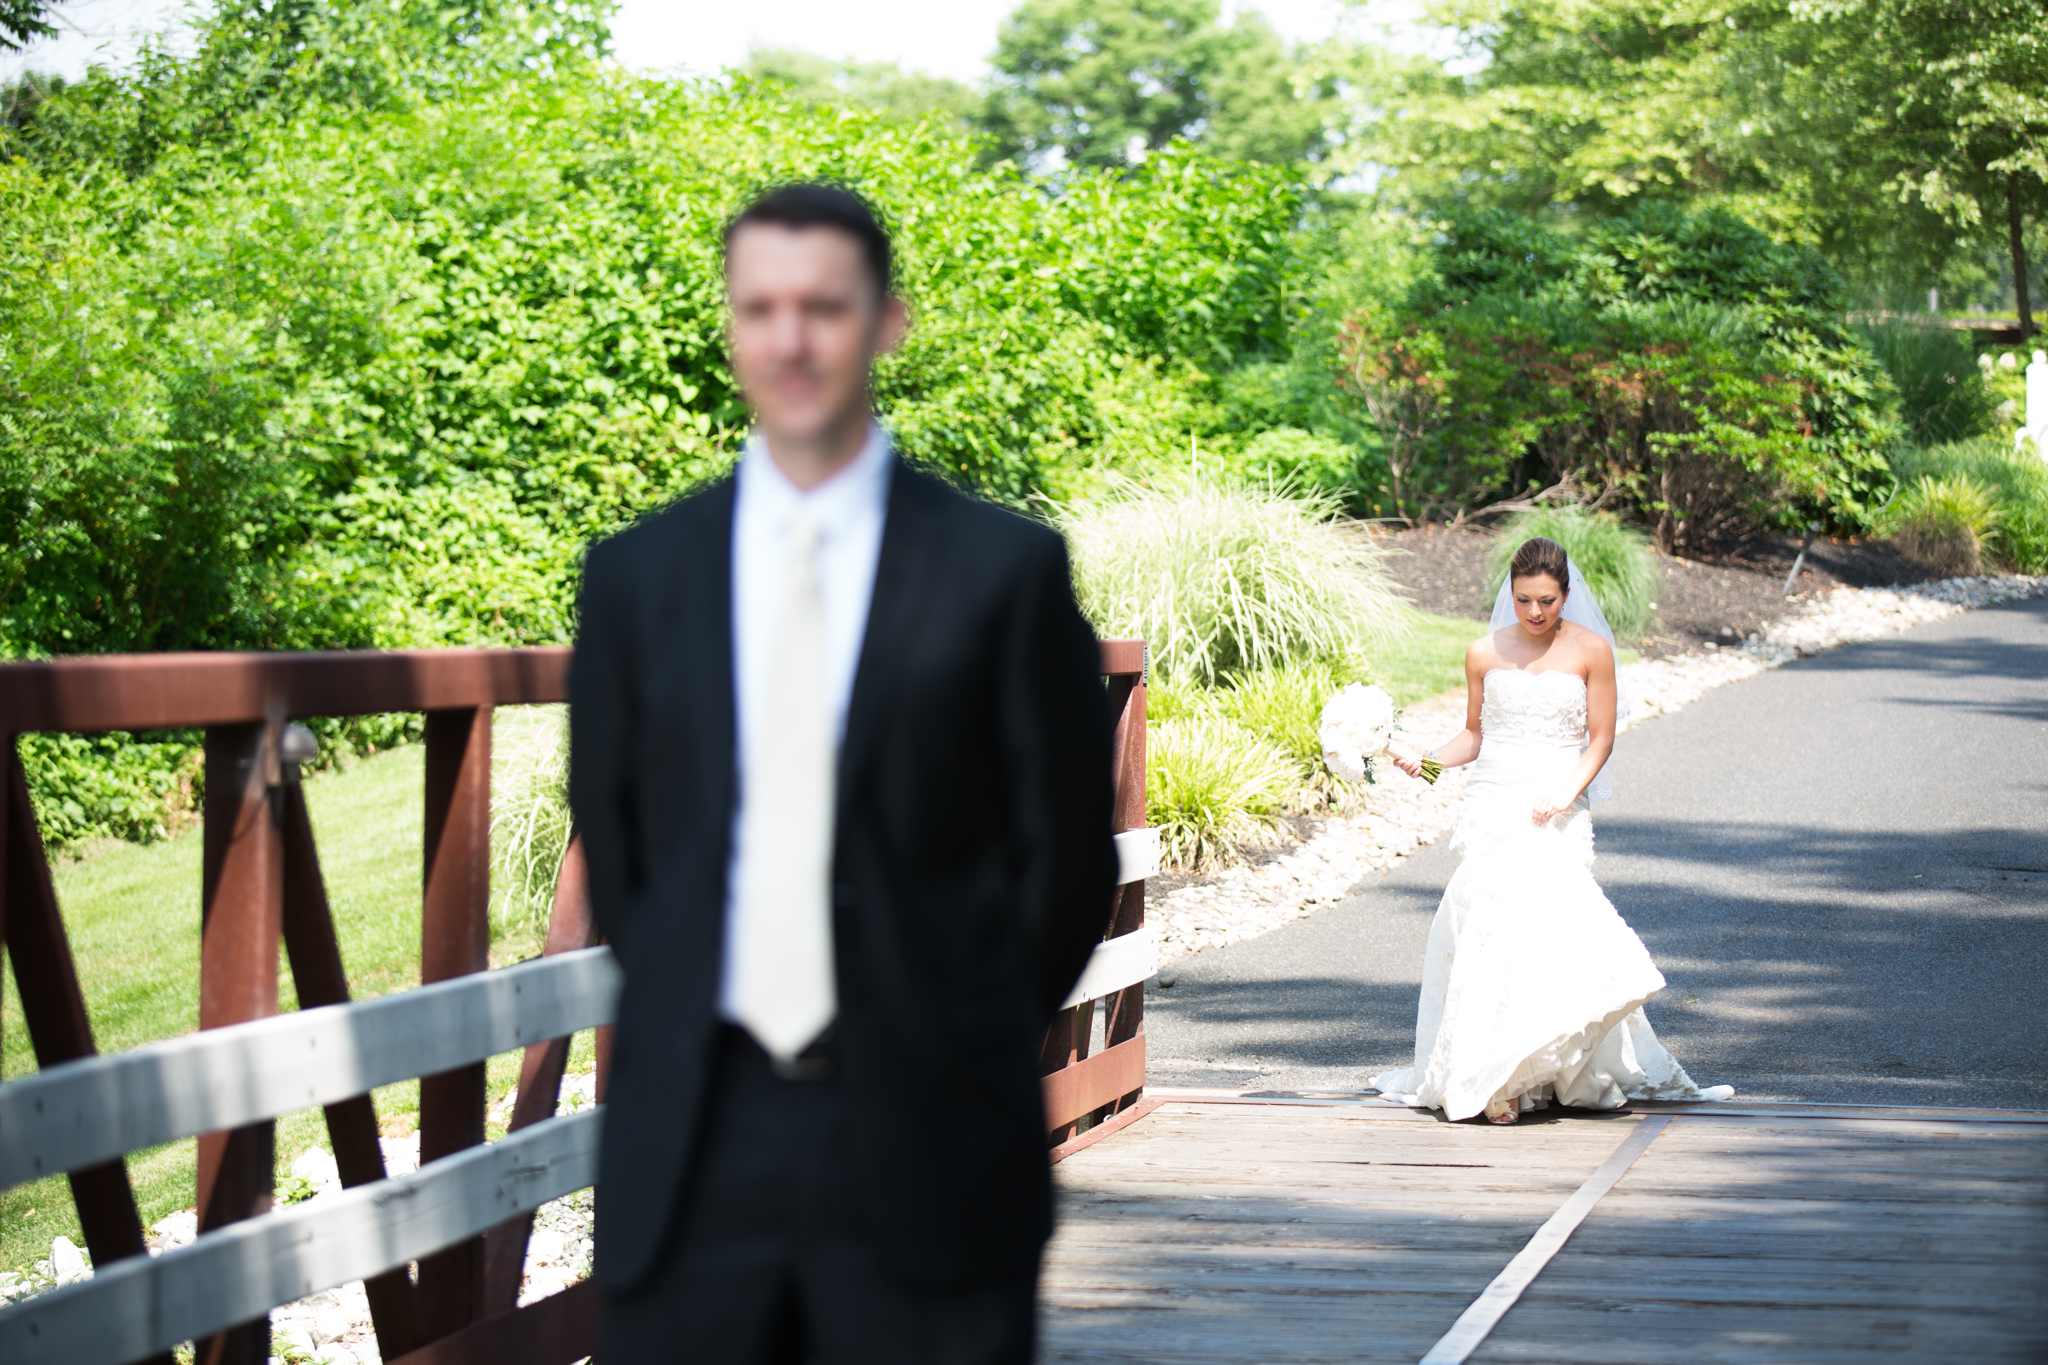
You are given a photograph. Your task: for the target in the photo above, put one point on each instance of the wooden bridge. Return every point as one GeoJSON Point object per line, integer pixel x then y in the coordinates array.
{"type": "Point", "coordinates": [1197, 1225]}
{"type": "Point", "coordinates": [1281, 1228]}
{"type": "Point", "coordinates": [440, 1250]}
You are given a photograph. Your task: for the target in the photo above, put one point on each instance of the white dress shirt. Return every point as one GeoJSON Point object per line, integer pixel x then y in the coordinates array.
{"type": "Point", "coordinates": [848, 510]}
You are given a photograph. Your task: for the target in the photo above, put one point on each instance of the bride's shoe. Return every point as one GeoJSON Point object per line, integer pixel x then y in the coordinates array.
{"type": "Point", "coordinates": [1504, 1111]}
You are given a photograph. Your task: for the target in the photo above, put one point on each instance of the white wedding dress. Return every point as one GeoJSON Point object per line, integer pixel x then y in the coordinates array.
{"type": "Point", "coordinates": [1532, 985]}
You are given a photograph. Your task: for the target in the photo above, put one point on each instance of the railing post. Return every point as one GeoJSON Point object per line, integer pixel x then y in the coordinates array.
{"type": "Point", "coordinates": [1067, 1041]}
{"type": "Point", "coordinates": [242, 923]}
{"type": "Point", "coordinates": [1127, 1007]}
{"type": "Point", "coordinates": [317, 972]}
{"type": "Point", "coordinates": [455, 940]}
{"type": "Point", "coordinates": [53, 1008]}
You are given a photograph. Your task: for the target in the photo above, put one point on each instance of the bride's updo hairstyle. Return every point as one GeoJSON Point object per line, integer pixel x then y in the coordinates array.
{"type": "Point", "coordinates": [1541, 555]}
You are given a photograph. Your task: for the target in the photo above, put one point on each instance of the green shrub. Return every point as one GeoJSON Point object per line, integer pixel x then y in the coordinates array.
{"type": "Point", "coordinates": [1618, 563]}
{"type": "Point", "coordinates": [1176, 698]}
{"type": "Point", "coordinates": [113, 785]}
{"type": "Point", "coordinates": [2023, 536]}
{"type": "Point", "coordinates": [1223, 577]}
{"type": "Point", "coordinates": [1292, 458]}
{"type": "Point", "coordinates": [259, 390]}
{"type": "Point", "coordinates": [2016, 481]}
{"type": "Point", "coordinates": [1211, 786]}
{"type": "Point", "coordinates": [1945, 523]}
{"type": "Point", "coordinates": [1257, 717]}
{"type": "Point", "coordinates": [2005, 376]}
{"type": "Point", "coordinates": [352, 327]}
{"type": "Point", "coordinates": [1943, 394]}
{"type": "Point", "coordinates": [1689, 367]}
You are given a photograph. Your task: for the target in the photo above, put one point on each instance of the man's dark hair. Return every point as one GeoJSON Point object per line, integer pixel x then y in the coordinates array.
{"type": "Point", "coordinates": [812, 205]}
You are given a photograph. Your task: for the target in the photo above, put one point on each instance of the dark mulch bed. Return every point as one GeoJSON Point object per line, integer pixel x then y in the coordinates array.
{"type": "Point", "coordinates": [1717, 597]}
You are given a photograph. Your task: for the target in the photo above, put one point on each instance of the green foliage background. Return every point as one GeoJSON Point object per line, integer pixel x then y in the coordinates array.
{"type": "Point", "coordinates": [1683, 366]}
{"type": "Point", "coordinates": [350, 325]}
{"type": "Point", "coordinates": [374, 376]}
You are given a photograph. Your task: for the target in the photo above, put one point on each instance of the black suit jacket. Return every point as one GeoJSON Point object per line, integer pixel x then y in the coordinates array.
{"type": "Point", "coordinates": [972, 865]}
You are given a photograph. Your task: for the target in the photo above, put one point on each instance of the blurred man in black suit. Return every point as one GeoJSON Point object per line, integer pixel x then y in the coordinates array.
{"type": "Point", "coordinates": [841, 760]}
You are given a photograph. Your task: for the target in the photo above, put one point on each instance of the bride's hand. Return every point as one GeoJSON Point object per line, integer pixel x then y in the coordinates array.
{"type": "Point", "coordinates": [1405, 761]}
{"type": "Point", "coordinates": [1549, 809]}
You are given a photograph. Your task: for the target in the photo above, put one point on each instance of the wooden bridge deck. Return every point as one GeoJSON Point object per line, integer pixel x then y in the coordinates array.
{"type": "Point", "coordinates": [1279, 1231]}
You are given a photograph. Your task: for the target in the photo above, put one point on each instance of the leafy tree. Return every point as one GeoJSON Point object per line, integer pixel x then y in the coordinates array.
{"type": "Point", "coordinates": [882, 86]}
{"type": "Point", "coordinates": [1949, 107]}
{"type": "Point", "coordinates": [1103, 83]}
{"type": "Point", "coordinates": [22, 22]}
{"type": "Point", "coordinates": [1592, 103]}
{"type": "Point", "coordinates": [1683, 367]}
{"type": "Point", "coordinates": [1898, 135]}
{"type": "Point", "coordinates": [310, 364]}
{"type": "Point", "coordinates": [259, 64]}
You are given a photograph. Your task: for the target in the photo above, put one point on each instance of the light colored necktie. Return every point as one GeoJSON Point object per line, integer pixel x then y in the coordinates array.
{"type": "Point", "coordinates": [784, 993]}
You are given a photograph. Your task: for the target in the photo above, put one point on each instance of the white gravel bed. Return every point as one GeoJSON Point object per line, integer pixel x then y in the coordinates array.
{"type": "Point", "coordinates": [1401, 814]}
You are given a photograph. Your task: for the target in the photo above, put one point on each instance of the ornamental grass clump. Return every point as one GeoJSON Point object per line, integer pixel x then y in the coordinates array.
{"type": "Point", "coordinates": [1619, 565]}
{"type": "Point", "coordinates": [1284, 706]}
{"type": "Point", "coordinates": [1223, 578]}
{"type": "Point", "coordinates": [529, 813]}
{"type": "Point", "coordinates": [2016, 480]}
{"type": "Point", "coordinates": [1945, 524]}
{"type": "Point", "coordinates": [1211, 787]}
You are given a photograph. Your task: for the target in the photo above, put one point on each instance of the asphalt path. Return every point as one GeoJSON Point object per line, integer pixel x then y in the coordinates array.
{"type": "Point", "coordinates": [1841, 867]}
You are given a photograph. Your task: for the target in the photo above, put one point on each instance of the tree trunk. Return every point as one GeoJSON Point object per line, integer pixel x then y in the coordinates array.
{"type": "Point", "coordinates": [2019, 254]}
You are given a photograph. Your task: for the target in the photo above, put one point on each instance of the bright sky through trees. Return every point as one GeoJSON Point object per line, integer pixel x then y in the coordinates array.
{"type": "Point", "coordinates": [950, 38]}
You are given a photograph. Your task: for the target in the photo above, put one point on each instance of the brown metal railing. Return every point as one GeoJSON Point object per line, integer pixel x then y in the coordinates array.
{"type": "Point", "coordinates": [1081, 1088]}
{"type": "Point", "coordinates": [262, 886]}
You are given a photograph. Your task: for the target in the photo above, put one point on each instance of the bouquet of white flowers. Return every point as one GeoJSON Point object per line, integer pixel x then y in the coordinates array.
{"type": "Point", "coordinates": [1356, 726]}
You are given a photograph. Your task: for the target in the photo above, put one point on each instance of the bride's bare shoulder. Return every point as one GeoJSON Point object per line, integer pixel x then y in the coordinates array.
{"type": "Point", "coordinates": [1483, 654]}
{"type": "Point", "coordinates": [1589, 645]}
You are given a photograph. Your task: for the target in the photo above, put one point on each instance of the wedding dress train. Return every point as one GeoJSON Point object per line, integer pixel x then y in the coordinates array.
{"type": "Point", "coordinates": [1532, 984]}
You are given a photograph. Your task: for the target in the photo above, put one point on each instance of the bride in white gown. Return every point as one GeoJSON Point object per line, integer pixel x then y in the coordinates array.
{"type": "Point", "coordinates": [1532, 985]}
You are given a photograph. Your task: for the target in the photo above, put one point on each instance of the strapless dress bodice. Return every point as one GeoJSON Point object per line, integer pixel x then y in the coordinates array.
{"type": "Point", "coordinates": [1532, 729]}
{"type": "Point", "coordinates": [1540, 708]}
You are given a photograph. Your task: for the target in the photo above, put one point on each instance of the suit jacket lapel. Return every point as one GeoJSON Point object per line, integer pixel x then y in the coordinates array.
{"type": "Point", "coordinates": [706, 575]}
{"type": "Point", "coordinates": [893, 617]}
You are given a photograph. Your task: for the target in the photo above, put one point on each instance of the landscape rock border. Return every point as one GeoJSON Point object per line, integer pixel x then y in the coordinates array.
{"type": "Point", "coordinates": [1391, 819]}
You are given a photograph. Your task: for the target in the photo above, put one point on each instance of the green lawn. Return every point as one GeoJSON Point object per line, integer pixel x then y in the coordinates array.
{"type": "Point", "coordinates": [1430, 660]}
{"type": "Point", "coordinates": [133, 916]}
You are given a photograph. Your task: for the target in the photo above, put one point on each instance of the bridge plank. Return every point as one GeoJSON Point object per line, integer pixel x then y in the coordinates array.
{"type": "Point", "coordinates": [141, 1305]}
{"type": "Point", "coordinates": [96, 1109]}
{"type": "Point", "coordinates": [1280, 1233]}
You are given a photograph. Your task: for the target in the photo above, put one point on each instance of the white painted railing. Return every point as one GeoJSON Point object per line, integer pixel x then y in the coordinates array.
{"type": "Point", "coordinates": [139, 1306]}
{"type": "Point", "coordinates": [81, 1113]}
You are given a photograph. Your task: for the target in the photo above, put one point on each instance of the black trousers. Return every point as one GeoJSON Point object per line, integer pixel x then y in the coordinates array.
{"type": "Point", "coordinates": [767, 1265]}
